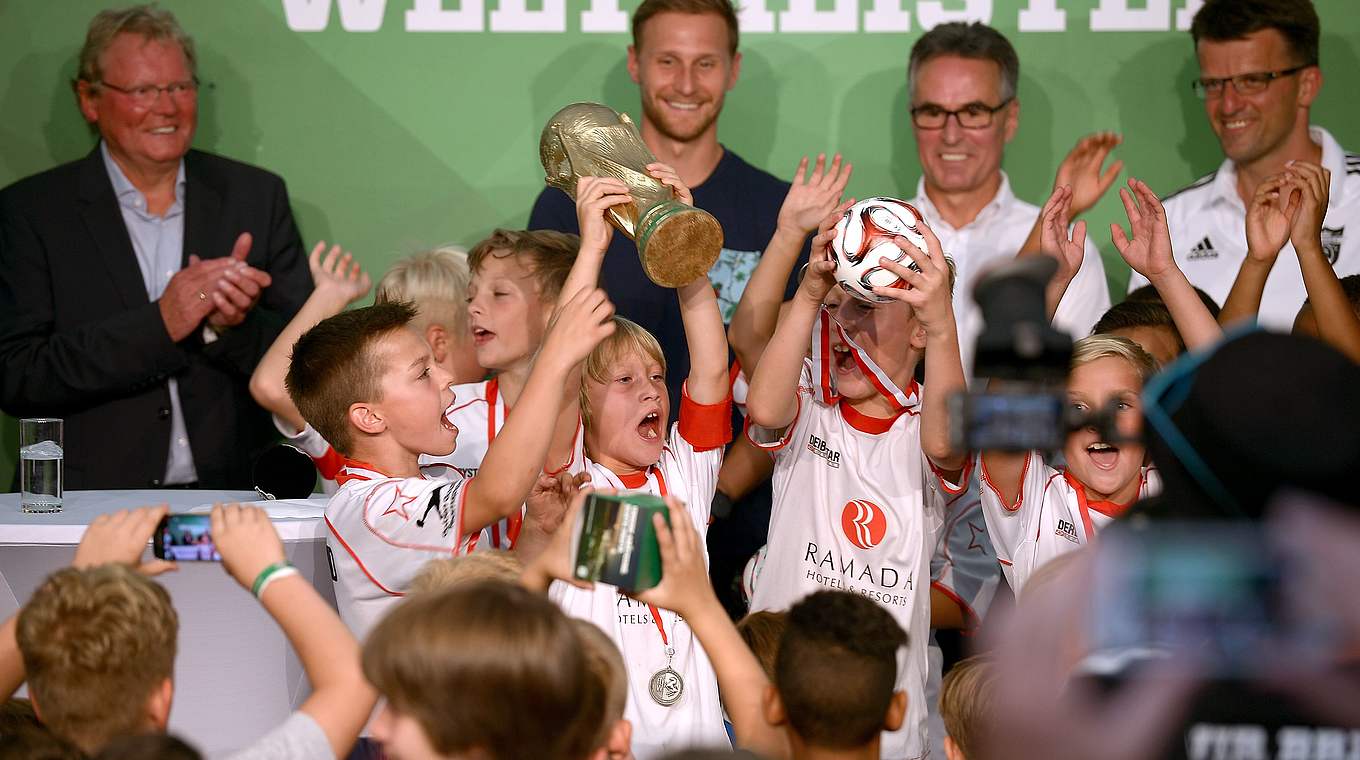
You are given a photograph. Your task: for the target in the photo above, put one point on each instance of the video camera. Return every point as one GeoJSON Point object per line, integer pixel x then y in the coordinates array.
{"type": "Point", "coordinates": [1027, 360]}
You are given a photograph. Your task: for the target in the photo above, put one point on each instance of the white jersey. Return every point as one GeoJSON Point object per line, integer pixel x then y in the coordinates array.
{"type": "Point", "coordinates": [856, 508]}
{"type": "Point", "coordinates": [479, 412]}
{"type": "Point", "coordinates": [307, 440]}
{"type": "Point", "coordinates": [381, 531]}
{"type": "Point", "coordinates": [1208, 222]}
{"type": "Point", "coordinates": [688, 470]}
{"type": "Point", "coordinates": [995, 236]}
{"type": "Point", "coordinates": [1051, 517]}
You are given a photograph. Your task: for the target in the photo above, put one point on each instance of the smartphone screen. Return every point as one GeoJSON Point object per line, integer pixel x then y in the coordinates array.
{"type": "Point", "coordinates": [185, 538]}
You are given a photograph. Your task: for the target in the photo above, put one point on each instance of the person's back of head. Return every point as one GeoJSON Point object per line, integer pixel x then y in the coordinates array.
{"type": "Point", "coordinates": [436, 283]}
{"type": "Point", "coordinates": [337, 363]}
{"type": "Point", "coordinates": [1149, 294]}
{"type": "Point", "coordinates": [37, 743]}
{"type": "Point", "coordinates": [762, 631]}
{"type": "Point", "coordinates": [606, 664]}
{"type": "Point", "coordinates": [1147, 323]}
{"type": "Point", "coordinates": [17, 714]}
{"type": "Point", "coordinates": [835, 637]}
{"type": "Point", "coordinates": [546, 255]}
{"type": "Point", "coordinates": [98, 646]}
{"type": "Point", "coordinates": [1305, 322]}
{"type": "Point", "coordinates": [148, 747]}
{"type": "Point", "coordinates": [1228, 20]}
{"type": "Point", "coordinates": [489, 565]}
{"type": "Point", "coordinates": [486, 667]}
{"type": "Point", "coordinates": [965, 702]}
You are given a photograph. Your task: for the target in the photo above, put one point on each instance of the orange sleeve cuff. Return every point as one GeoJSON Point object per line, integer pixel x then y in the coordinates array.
{"type": "Point", "coordinates": [329, 464]}
{"type": "Point", "coordinates": [705, 426]}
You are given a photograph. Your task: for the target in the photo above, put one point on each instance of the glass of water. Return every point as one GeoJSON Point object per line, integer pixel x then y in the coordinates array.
{"type": "Point", "coordinates": [40, 464]}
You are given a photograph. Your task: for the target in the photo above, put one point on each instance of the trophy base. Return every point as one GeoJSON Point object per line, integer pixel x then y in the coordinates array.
{"type": "Point", "coordinates": [677, 243]}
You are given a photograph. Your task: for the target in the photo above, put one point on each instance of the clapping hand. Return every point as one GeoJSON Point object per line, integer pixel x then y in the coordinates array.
{"type": "Point", "coordinates": [1274, 207]}
{"type": "Point", "coordinates": [812, 197]}
{"type": "Point", "coordinates": [239, 289]}
{"type": "Point", "coordinates": [1081, 170]}
{"type": "Point", "coordinates": [1312, 182]}
{"type": "Point", "coordinates": [1069, 248]}
{"type": "Point", "coordinates": [1149, 251]}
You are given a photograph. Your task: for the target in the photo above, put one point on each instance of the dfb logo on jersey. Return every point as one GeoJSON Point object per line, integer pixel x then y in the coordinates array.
{"type": "Point", "coordinates": [864, 523]}
{"type": "Point", "coordinates": [1331, 243]}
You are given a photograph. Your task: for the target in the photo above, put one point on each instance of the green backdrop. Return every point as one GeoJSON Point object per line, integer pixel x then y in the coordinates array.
{"type": "Point", "coordinates": [392, 138]}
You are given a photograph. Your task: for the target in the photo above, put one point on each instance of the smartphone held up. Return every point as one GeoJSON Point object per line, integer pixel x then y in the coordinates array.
{"type": "Point", "coordinates": [185, 538]}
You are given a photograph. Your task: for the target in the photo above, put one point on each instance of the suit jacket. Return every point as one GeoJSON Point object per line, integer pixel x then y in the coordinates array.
{"type": "Point", "coordinates": [79, 338]}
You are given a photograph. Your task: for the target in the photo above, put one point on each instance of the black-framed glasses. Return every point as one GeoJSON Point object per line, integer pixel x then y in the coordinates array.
{"type": "Point", "coordinates": [1244, 84]}
{"type": "Point", "coordinates": [971, 116]}
{"type": "Point", "coordinates": [144, 96]}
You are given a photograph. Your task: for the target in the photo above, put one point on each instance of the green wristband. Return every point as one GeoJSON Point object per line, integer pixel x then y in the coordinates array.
{"type": "Point", "coordinates": [263, 577]}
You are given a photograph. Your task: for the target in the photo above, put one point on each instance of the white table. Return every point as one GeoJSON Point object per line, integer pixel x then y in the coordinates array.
{"type": "Point", "coordinates": [235, 674]}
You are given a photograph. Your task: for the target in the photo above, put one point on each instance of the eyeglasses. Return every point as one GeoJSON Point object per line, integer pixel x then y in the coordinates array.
{"type": "Point", "coordinates": [1244, 84]}
{"type": "Point", "coordinates": [146, 95]}
{"type": "Point", "coordinates": [971, 116]}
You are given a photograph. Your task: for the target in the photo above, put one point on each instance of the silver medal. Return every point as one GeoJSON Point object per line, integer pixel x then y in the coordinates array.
{"type": "Point", "coordinates": [666, 686]}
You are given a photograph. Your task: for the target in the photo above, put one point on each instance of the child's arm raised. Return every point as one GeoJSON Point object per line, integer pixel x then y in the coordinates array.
{"type": "Point", "coordinates": [515, 458]}
{"type": "Point", "coordinates": [810, 200]}
{"type": "Point", "coordinates": [1149, 253]}
{"type": "Point", "coordinates": [1068, 248]}
{"type": "Point", "coordinates": [686, 589]}
{"type": "Point", "coordinates": [929, 295]}
{"type": "Point", "coordinates": [1273, 209]}
{"type": "Point", "coordinates": [1084, 174]}
{"type": "Point", "coordinates": [594, 197]}
{"type": "Point", "coordinates": [1336, 320]}
{"type": "Point", "coordinates": [339, 281]}
{"type": "Point", "coordinates": [772, 401]}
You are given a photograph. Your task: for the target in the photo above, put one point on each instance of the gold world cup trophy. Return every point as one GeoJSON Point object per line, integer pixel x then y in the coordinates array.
{"type": "Point", "coordinates": [677, 243]}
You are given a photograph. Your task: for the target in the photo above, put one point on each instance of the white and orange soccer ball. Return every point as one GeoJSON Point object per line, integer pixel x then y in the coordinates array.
{"type": "Point", "coordinates": [864, 235]}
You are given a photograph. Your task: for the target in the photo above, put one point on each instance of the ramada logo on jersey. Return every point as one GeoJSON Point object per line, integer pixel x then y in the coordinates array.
{"type": "Point", "coordinates": [864, 523]}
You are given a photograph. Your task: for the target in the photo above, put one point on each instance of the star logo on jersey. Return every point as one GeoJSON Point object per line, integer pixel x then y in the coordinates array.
{"type": "Point", "coordinates": [399, 504]}
{"type": "Point", "coordinates": [1331, 243]}
{"type": "Point", "coordinates": [864, 523]}
{"type": "Point", "coordinates": [973, 532]}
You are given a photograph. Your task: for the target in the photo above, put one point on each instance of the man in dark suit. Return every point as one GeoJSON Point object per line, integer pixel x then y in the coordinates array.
{"type": "Point", "coordinates": [140, 285]}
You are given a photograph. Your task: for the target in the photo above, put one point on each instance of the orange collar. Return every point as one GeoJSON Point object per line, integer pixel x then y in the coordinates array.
{"type": "Point", "coordinates": [865, 423]}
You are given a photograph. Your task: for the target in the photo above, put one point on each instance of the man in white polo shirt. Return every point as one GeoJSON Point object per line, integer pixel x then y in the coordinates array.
{"type": "Point", "coordinates": [1259, 76]}
{"type": "Point", "coordinates": [962, 81]}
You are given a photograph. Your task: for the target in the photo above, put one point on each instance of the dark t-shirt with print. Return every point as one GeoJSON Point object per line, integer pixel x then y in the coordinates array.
{"type": "Point", "coordinates": [745, 201]}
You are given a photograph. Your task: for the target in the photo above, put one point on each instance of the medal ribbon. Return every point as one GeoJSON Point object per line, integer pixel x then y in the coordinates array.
{"type": "Point", "coordinates": [656, 614]}
{"type": "Point", "coordinates": [822, 363]}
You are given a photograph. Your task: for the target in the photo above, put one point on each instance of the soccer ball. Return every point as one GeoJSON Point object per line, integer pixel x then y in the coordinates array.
{"type": "Point", "coordinates": [864, 235]}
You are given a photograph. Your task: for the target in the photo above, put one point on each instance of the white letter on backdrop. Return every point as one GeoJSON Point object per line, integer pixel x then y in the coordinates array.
{"type": "Point", "coordinates": [803, 16]}
{"type": "Point", "coordinates": [1187, 14]}
{"type": "Point", "coordinates": [515, 16]}
{"type": "Point", "coordinates": [755, 16]}
{"type": "Point", "coordinates": [315, 15]}
{"type": "Point", "coordinates": [931, 14]}
{"type": "Point", "coordinates": [1043, 16]}
{"type": "Point", "coordinates": [604, 16]}
{"type": "Point", "coordinates": [432, 16]}
{"type": "Point", "coordinates": [1117, 16]}
{"type": "Point", "coordinates": [887, 16]}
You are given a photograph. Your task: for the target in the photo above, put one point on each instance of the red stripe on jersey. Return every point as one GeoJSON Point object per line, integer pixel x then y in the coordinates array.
{"type": "Point", "coordinates": [945, 484]}
{"type": "Point", "coordinates": [865, 423]}
{"type": "Point", "coordinates": [330, 463]}
{"type": "Point", "coordinates": [970, 618]}
{"type": "Point", "coordinates": [1019, 490]}
{"type": "Point", "coordinates": [783, 439]}
{"type": "Point", "coordinates": [358, 561]}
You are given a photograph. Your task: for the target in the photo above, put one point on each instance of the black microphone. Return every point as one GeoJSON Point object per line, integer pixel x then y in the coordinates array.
{"type": "Point", "coordinates": [284, 472]}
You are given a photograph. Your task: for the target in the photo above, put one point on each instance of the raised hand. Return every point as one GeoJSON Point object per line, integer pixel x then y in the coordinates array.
{"type": "Point", "coordinates": [1055, 240]}
{"type": "Point", "coordinates": [554, 561]}
{"type": "Point", "coordinates": [819, 275]}
{"type": "Point", "coordinates": [247, 541]}
{"type": "Point", "coordinates": [668, 177]}
{"type": "Point", "coordinates": [812, 197]}
{"type": "Point", "coordinates": [1274, 207]}
{"type": "Point", "coordinates": [338, 272]}
{"type": "Point", "coordinates": [1148, 252]}
{"type": "Point", "coordinates": [594, 197]}
{"type": "Point", "coordinates": [1313, 184]}
{"type": "Point", "coordinates": [549, 499]}
{"type": "Point", "coordinates": [927, 291]}
{"type": "Point", "coordinates": [240, 287]}
{"type": "Point", "coordinates": [578, 327]}
{"type": "Point", "coordinates": [1081, 170]}
{"type": "Point", "coordinates": [121, 538]}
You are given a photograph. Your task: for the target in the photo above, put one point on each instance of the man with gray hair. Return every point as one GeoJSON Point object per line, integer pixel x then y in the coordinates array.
{"type": "Point", "coordinates": [140, 285]}
{"type": "Point", "coordinates": [965, 108]}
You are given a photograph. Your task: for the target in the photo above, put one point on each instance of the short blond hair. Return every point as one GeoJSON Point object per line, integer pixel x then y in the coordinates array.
{"type": "Point", "coordinates": [96, 643]}
{"type": "Point", "coordinates": [146, 21]}
{"type": "Point", "coordinates": [489, 565]}
{"type": "Point", "coordinates": [606, 662]}
{"type": "Point", "coordinates": [628, 338]}
{"type": "Point", "coordinates": [1101, 346]}
{"type": "Point", "coordinates": [436, 282]}
{"type": "Point", "coordinates": [965, 701]}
